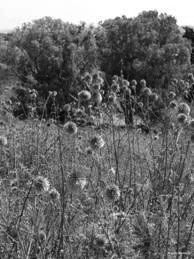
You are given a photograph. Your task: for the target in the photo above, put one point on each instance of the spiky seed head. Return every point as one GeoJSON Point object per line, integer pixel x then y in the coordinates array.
{"type": "Point", "coordinates": [70, 127]}
{"type": "Point", "coordinates": [54, 194]}
{"type": "Point", "coordinates": [115, 87]}
{"type": "Point", "coordinates": [182, 118]}
{"type": "Point", "coordinates": [96, 142]}
{"type": "Point", "coordinates": [143, 83]}
{"type": "Point", "coordinates": [184, 108]}
{"type": "Point", "coordinates": [133, 82]}
{"type": "Point", "coordinates": [125, 83]}
{"type": "Point", "coordinates": [84, 96]}
{"type": "Point", "coordinates": [115, 78]}
{"type": "Point", "coordinates": [171, 95]}
{"type": "Point", "coordinates": [147, 91]}
{"type": "Point", "coordinates": [67, 107]}
{"type": "Point", "coordinates": [154, 97]}
{"type": "Point", "coordinates": [96, 87]}
{"type": "Point", "coordinates": [41, 184]}
{"type": "Point", "coordinates": [140, 104]}
{"type": "Point", "coordinates": [173, 104]}
{"type": "Point", "coordinates": [112, 192]}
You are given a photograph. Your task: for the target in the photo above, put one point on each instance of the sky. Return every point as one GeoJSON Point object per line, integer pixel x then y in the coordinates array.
{"type": "Point", "coordinates": [14, 13]}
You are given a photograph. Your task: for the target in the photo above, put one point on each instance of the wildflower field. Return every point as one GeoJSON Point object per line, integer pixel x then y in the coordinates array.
{"type": "Point", "coordinates": [103, 184]}
{"type": "Point", "coordinates": [97, 140]}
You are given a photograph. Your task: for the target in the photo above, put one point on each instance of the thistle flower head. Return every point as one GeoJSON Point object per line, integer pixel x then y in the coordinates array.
{"type": "Point", "coordinates": [88, 77]}
{"type": "Point", "coordinates": [173, 104]}
{"type": "Point", "coordinates": [96, 87]}
{"type": "Point", "coordinates": [3, 141]}
{"type": "Point", "coordinates": [143, 83]}
{"type": "Point", "coordinates": [182, 118]}
{"type": "Point", "coordinates": [154, 97]}
{"type": "Point", "coordinates": [67, 107]}
{"type": "Point", "coordinates": [84, 95]}
{"type": "Point", "coordinates": [112, 192]}
{"type": "Point", "coordinates": [171, 95]}
{"type": "Point", "coordinates": [70, 127]}
{"type": "Point", "coordinates": [96, 142]}
{"type": "Point", "coordinates": [125, 83]}
{"type": "Point", "coordinates": [54, 194]}
{"type": "Point", "coordinates": [133, 82]}
{"type": "Point", "coordinates": [115, 78]}
{"type": "Point", "coordinates": [140, 104]}
{"type": "Point", "coordinates": [112, 98]}
{"type": "Point", "coordinates": [147, 91]}
{"type": "Point", "coordinates": [115, 87]}
{"type": "Point", "coordinates": [184, 108]}
{"type": "Point", "coordinates": [41, 184]}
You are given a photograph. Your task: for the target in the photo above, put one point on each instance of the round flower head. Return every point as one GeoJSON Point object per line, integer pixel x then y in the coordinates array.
{"type": "Point", "coordinates": [133, 82]}
{"type": "Point", "coordinates": [112, 192]}
{"type": "Point", "coordinates": [184, 108]}
{"type": "Point", "coordinates": [143, 83]}
{"type": "Point", "coordinates": [3, 141]}
{"type": "Point", "coordinates": [70, 127]}
{"type": "Point", "coordinates": [171, 95]}
{"type": "Point", "coordinates": [182, 118]}
{"type": "Point", "coordinates": [54, 194]}
{"type": "Point", "coordinates": [67, 107]}
{"type": "Point", "coordinates": [79, 112]}
{"type": "Point", "coordinates": [96, 87]}
{"type": "Point", "coordinates": [115, 78]}
{"type": "Point", "coordinates": [97, 97]}
{"type": "Point", "coordinates": [84, 96]}
{"type": "Point", "coordinates": [173, 104]}
{"type": "Point", "coordinates": [182, 83]}
{"type": "Point", "coordinates": [191, 123]}
{"type": "Point", "coordinates": [125, 83]}
{"type": "Point", "coordinates": [41, 184]}
{"type": "Point", "coordinates": [97, 142]}
{"type": "Point", "coordinates": [88, 78]}
{"type": "Point", "coordinates": [115, 87]}
{"type": "Point", "coordinates": [154, 97]}
{"type": "Point", "coordinates": [147, 91]}
{"type": "Point", "coordinates": [140, 104]}
{"type": "Point", "coordinates": [112, 98]}
{"type": "Point", "coordinates": [99, 80]}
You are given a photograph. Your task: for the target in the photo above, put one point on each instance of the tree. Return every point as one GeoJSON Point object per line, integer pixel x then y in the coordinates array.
{"type": "Point", "coordinates": [51, 55]}
{"type": "Point", "coordinates": [148, 46]}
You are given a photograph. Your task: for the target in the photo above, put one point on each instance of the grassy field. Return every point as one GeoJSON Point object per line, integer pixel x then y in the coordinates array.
{"type": "Point", "coordinates": [95, 192]}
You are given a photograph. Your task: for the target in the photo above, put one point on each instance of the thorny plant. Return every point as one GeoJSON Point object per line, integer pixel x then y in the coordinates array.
{"type": "Point", "coordinates": [101, 191]}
